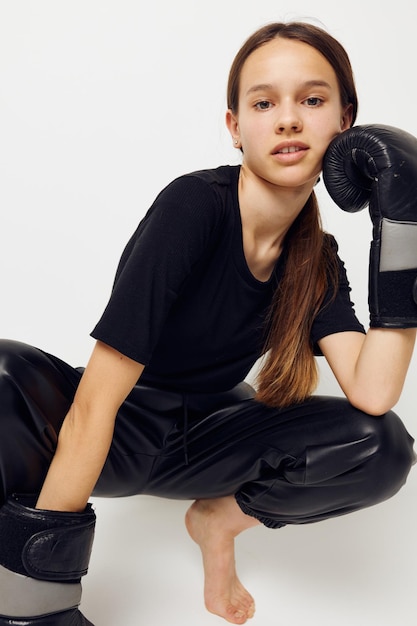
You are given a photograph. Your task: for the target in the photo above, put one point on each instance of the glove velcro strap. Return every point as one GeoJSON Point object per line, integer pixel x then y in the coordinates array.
{"type": "Point", "coordinates": [392, 302]}
{"type": "Point", "coordinates": [59, 554]}
{"type": "Point", "coordinates": [47, 545]}
{"type": "Point", "coordinates": [22, 596]}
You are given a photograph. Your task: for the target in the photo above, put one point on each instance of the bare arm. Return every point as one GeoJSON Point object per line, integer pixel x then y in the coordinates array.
{"type": "Point", "coordinates": [371, 368]}
{"type": "Point", "coordinates": [87, 431]}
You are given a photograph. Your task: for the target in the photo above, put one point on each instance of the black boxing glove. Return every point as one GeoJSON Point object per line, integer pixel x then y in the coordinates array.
{"type": "Point", "coordinates": [43, 555]}
{"type": "Point", "coordinates": [377, 165]}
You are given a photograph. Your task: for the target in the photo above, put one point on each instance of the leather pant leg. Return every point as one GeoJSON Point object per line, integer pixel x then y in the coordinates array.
{"type": "Point", "coordinates": [36, 391]}
{"type": "Point", "coordinates": [341, 460]}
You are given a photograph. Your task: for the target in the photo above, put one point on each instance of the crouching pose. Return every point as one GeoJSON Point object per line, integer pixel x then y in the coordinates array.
{"type": "Point", "coordinates": [228, 265]}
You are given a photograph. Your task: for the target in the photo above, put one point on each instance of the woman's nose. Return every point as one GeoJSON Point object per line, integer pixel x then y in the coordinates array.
{"type": "Point", "coordinates": [287, 119]}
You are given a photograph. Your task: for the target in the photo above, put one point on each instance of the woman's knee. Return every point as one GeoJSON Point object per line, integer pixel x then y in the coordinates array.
{"type": "Point", "coordinates": [392, 456]}
{"type": "Point", "coordinates": [21, 365]}
{"type": "Point", "coordinates": [377, 451]}
{"type": "Point", "coordinates": [11, 352]}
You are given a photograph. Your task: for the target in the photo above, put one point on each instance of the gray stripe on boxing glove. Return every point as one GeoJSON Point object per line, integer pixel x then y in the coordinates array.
{"type": "Point", "coordinates": [398, 246]}
{"type": "Point", "coordinates": [22, 596]}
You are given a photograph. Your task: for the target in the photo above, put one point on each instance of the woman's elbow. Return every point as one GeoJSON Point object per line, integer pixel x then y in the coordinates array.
{"type": "Point", "coordinates": [375, 404]}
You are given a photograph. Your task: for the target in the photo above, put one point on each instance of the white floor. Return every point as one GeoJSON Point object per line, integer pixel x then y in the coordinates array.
{"type": "Point", "coordinates": [358, 570]}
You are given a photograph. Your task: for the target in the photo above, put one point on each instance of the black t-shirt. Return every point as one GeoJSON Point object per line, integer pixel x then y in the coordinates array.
{"type": "Point", "coordinates": [184, 302]}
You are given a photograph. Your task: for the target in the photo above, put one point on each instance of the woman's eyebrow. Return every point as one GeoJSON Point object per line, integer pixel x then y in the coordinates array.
{"type": "Point", "coordinates": [260, 87]}
{"type": "Point", "coordinates": [316, 83]}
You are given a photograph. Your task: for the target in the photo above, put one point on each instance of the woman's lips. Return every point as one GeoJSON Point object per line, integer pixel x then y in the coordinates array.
{"type": "Point", "coordinates": [289, 152]}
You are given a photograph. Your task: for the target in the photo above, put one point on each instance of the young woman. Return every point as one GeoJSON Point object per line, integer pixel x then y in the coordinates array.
{"type": "Point", "coordinates": [228, 264]}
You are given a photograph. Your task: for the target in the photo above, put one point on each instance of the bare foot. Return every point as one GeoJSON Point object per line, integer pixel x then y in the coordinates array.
{"type": "Point", "coordinates": [213, 524]}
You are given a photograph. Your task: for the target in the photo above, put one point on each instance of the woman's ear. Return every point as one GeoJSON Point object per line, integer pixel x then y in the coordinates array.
{"type": "Point", "coordinates": [233, 127]}
{"type": "Point", "coordinates": [346, 121]}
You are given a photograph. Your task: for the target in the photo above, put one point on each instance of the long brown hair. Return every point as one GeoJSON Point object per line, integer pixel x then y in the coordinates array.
{"type": "Point", "coordinates": [289, 372]}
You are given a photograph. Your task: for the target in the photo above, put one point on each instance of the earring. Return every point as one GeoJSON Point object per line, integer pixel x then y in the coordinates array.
{"type": "Point", "coordinates": [235, 142]}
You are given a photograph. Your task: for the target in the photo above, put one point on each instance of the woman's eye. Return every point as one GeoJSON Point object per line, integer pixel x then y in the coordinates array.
{"type": "Point", "coordinates": [264, 105]}
{"type": "Point", "coordinates": [313, 101]}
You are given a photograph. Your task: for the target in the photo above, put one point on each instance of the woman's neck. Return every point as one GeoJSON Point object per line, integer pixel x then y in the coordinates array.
{"type": "Point", "coordinates": [267, 213]}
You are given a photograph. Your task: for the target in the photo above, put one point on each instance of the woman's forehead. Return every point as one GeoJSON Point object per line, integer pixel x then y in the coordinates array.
{"type": "Point", "coordinates": [285, 59]}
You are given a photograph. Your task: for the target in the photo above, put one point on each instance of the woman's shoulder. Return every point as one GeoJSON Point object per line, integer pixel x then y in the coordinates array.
{"type": "Point", "coordinates": [223, 175]}
{"type": "Point", "coordinates": [203, 198]}
{"type": "Point", "coordinates": [217, 179]}
{"type": "Point", "coordinates": [201, 190]}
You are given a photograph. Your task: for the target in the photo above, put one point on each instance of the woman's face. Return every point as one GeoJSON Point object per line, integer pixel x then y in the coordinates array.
{"type": "Point", "coordinates": [289, 111]}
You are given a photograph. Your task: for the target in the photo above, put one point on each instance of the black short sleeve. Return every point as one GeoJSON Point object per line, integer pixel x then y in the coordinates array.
{"type": "Point", "coordinates": [178, 229]}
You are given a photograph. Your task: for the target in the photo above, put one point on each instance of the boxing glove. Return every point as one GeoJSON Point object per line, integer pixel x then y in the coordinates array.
{"type": "Point", "coordinates": [377, 166]}
{"type": "Point", "coordinates": [43, 555]}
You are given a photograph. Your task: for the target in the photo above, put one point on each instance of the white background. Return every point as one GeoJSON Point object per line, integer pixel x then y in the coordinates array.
{"type": "Point", "coordinates": [101, 104]}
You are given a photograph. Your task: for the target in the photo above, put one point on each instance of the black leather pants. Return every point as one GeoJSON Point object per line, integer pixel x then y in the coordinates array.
{"type": "Point", "coordinates": [312, 461]}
